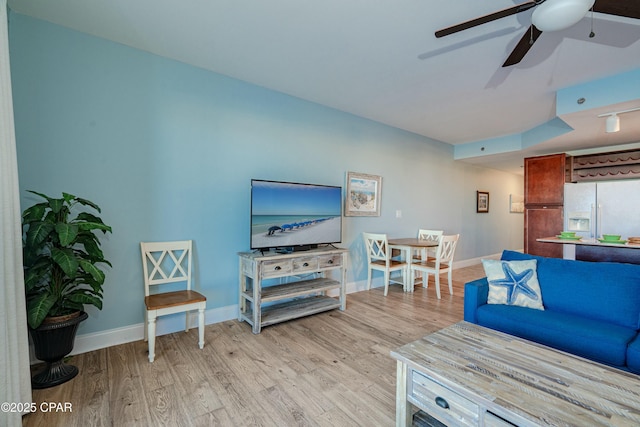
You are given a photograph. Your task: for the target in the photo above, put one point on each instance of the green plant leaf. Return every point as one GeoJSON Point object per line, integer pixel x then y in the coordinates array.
{"type": "Point", "coordinates": [93, 226]}
{"type": "Point", "coordinates": [44, 196]}
{"type": "Point", "coordinates": [31, 255]}
{"type": "Point", "coordinates": [56, 205]}
{"type": "Point", "coordinates": [67, 261]}
{"type": "Point", "coordinates": [97, 274]}
{"type": "Point", "coordinates": [34, 213]}
{"type": "Point", "coordinates": [91, 246]}
{"type": "Point", "coordinates": [37, 273]}
{"type": "Point", "coordinates": [38, 308]}
{"type": "Point", "coordinates": [93, 221]}
{"type": "Point", "coordinates": [85, 298]}
{"type": "Point", "coordinates": [66, 233]}
{"type": "Point", "coordinates": [86, 202]}
{"type": "Point", "coordinates": [96, 287]}
{"type": "Point", "coordinates": [72, 306]}
{"type": "Point", "coordinates": [38, 233]}
{"type": "Point", "coordinates": [88, 217]}
{"type": "Point", "coordinates": [68, 198]}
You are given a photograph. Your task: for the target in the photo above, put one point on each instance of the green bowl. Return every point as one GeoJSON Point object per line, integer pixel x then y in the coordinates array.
{"type": "Point", "coordinates": [567, 233]}
{"type": "Point", "coordinates": [611, 236]}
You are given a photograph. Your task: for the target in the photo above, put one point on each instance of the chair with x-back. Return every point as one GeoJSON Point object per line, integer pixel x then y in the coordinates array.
{"type": "Point", "coordinates": [379, 258]}
{"type": "Point", "coordinates": [433, 235]}
{"type": "Point", "coordinates": [169, 264]}
{"type": "Point", "coordinates": [443, 263]}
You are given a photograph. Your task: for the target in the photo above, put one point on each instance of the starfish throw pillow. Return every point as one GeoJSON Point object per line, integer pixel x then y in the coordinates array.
{"type": "Point", "coordinates": [513, 283]}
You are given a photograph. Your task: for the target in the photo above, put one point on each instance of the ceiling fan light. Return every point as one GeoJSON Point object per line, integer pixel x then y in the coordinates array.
{"type": "Point", "coordinates": [555, 15]}
{"type": "Point", "coordinates": [613, 123]}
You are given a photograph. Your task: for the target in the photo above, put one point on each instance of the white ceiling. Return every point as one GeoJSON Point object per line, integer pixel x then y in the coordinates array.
{"type": "Point", "coordinates": [379, 59]}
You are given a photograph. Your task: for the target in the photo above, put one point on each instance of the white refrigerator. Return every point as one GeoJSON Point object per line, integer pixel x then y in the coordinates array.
{"type": "Point", "coordinates": [609, 207]}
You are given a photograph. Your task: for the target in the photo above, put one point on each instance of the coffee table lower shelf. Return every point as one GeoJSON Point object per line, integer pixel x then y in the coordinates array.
{"type": "Point", "coordinates": [422, 419]}
{"type": "Point", "coordinates": [468, 375]}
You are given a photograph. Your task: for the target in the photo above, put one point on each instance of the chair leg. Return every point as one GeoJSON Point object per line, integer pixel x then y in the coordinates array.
{"type": "Point", "coordinates": [425, 279]}
{"type": "Point", "coordinates": [201, 328]}
{"type": "Point", "coordinates": [146, 326]}
{"type": "Point", "coordinates": [151, 335]}
{"type": "Point", "coordinates": [369, 279]}
{"type": "Point", "coordinates": [407, 280]}
{"type": "Point", "coordinates": [437, 284]}
{"type": "Point", "coordinates": [412, 278]}
{"type": "Point", "coordinates": [450, 284]}
{"type": "Point", "coordinates": [386, 283]}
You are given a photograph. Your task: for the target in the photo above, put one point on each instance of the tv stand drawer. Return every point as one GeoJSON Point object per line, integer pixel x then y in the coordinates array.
{"type": "Point", "coordinates": [305, 264]}
{"type": "Point", "coordinates": [276, 268]}
{"type": "Point", "coordinates": [330, 261]}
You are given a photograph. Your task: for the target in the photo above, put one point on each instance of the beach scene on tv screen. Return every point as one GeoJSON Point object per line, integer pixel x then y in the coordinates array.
{"type": "Point", "coordinates": [288, 214]}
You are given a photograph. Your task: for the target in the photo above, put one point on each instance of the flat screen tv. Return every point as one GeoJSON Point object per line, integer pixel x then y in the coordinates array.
{"type": "Point", "coordinates": [294, 216]}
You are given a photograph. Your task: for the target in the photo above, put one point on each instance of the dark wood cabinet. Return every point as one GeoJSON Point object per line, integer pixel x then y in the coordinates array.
{"type": "Point", "coordinates": [544, 179]}
{"type": "Point", "coordinates": [543, 222]}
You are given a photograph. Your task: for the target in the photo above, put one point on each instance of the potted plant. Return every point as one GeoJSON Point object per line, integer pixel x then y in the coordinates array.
{"type": "Point", "coordinates": [62, 273]}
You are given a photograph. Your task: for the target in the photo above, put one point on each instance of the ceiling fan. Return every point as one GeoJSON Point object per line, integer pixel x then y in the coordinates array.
{"type": "Point", "coordinates": [549, 15]}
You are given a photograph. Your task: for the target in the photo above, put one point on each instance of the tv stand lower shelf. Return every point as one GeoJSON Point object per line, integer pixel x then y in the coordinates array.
{"type": "Point", "coordinates": [309, 279]}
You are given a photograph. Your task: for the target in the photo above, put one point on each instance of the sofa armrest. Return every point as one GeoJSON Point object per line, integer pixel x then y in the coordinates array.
{"type": "Point", "coordinates": [475, 295]}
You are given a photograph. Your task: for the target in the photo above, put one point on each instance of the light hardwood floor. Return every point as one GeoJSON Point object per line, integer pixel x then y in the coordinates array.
{"type": "Point", "coordinates": [330, 369]}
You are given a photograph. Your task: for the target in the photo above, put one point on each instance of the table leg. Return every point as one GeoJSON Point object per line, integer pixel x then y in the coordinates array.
{"type": "Point", "coordinates": [406, 253]}
{"type": "Point", "coordinates": [403, 408]}
{"type": "Point", "coordinates": [409, 285]}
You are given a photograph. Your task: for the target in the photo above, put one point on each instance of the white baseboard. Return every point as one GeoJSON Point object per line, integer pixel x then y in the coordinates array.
{"type": "Point", "coordinates": [474, 261]}
{"type": "Point", "coordinates": [164, 325]}
{"type": "Point", "coordinates": [362, 285]}
{"type": "Point", "coordinates": [170, 324]}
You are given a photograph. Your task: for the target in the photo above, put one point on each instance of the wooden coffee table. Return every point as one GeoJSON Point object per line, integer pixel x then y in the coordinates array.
{"type": "Point", "coordinates": [468, 375]}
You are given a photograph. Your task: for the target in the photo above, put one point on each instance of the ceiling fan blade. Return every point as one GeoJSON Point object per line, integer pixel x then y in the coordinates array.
{"type": "Point", "coordinates": [523, 46]}
{"type": "Point", "coordinates": [629, 9]}
{"type": "Point", "coordinates": [487, 18]}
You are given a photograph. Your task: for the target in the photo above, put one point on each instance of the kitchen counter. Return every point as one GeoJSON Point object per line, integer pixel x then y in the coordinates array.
{"type": "Point", "coordinates": [587, 249]}
{"type": "Point", "coordinates": [586, 241]}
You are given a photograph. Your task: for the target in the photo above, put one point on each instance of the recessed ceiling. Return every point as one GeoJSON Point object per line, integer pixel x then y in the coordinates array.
{"type": "Point", "coordinates": [380, 60]}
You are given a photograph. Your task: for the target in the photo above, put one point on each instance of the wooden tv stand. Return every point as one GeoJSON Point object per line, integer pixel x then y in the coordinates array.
{"type": "Point", "coordinates": [468, 375]}
{"type": "Point", "coordinates": [305, 280]}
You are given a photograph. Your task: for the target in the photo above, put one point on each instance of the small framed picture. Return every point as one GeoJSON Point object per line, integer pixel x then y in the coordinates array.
{"type": "Point", "coordinates": [482, 201]}
{"type": "Point", "coordinates": [363, 195]}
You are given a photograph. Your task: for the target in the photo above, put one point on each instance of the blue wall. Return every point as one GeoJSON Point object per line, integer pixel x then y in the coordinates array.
{"type": "Point", "coordinates": [168, 151]}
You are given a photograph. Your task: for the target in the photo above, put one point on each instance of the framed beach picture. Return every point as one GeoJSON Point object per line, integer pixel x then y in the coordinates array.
{"type": "Point", "coordinates": [482, 201]}
{"type": "Point", "coordinates": [362, 195]}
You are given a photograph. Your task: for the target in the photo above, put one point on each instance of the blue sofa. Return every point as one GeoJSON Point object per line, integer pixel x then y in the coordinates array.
{"type": "Point", "coordinates": [592, 309]}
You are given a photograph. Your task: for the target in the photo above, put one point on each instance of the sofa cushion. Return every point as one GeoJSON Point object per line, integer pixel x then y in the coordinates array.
{"type": "Point", "coordinates": [606, 291]}
{"type": "Point", "coordinates": [600, 341]}
{"type": "Point", "coordinates": [633, 355]}
{"type": "Point", "coordinates": [513, 283]}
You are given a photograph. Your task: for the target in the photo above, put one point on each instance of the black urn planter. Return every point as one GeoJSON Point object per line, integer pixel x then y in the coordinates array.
{"type": "Point", "coordinates": [52, 341]}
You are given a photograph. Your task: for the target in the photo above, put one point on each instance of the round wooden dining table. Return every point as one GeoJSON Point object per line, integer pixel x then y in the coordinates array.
{"type": "Point", "coordinates": [406, 245]}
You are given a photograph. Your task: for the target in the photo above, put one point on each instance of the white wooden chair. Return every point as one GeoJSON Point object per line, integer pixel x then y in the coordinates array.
{"type": "Point", "coordinates": [424, 234]}
{"type": "Point", "coordinates": [167, 263]}
{"type": "Point", "coordinates": [379, 258]}
{"type": "Point", "coordinates": [442, 263]}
